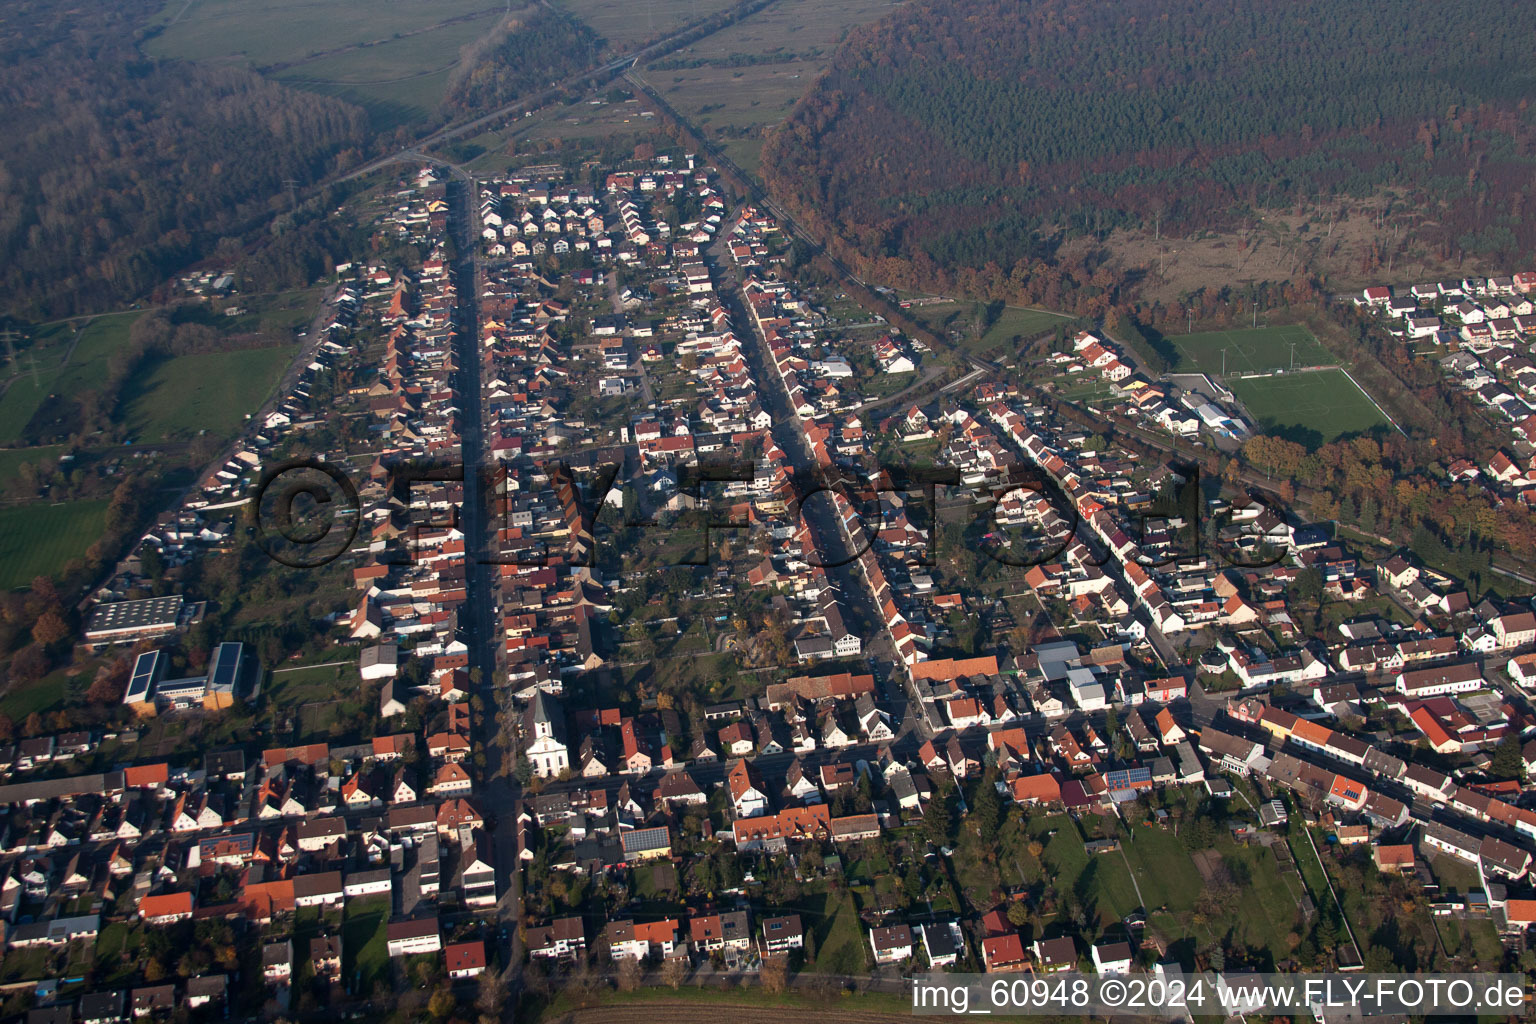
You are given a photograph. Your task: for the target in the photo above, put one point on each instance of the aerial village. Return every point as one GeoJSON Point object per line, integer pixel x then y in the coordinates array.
{"type": "Point", "coordinates": [531, 715]}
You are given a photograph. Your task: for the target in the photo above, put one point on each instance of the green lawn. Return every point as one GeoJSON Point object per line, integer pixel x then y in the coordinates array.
{"type": "Point", "coordinates": [1270, 904]}
{"type": "Point", "coordinates": [364, 942]}
{"type": "Point", "coordinates": [47, 694]}
{"type": "Point", "coordinates": [175, 399]}
{"type": "Point", "coordinates": [1015, 322]}
{"type": "Point", "coordinates": [302, 686]}
{"type": "Point", "coordinates": [839, 934]}
{"type": "Point", "coordinates": [1249, 350]}
{"type": "Point", "coordinates": [1099, 882]}
{"type": "Point", "coordinates": [24, 964]}
{"type": "Point", "coordinates": [1310, 408]}
{"type": "Point", "coordinates": [1164, 870]}
{"type": "Point", "coordinates": [39, 539]}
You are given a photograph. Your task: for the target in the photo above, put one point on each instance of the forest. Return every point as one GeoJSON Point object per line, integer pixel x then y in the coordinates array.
{"type": "Point", "coordinates": [119, 170]}
{"type": "Point", "coordinates": [1024, 125]}
{"type": "Point", "coordinates": [529, 51]}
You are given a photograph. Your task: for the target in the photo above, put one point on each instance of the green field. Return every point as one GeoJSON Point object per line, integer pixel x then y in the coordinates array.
{"type": "Point", "coordinates": [1016, 321]}
{"type": "Point", "coordinates": [49, 693]}
{"type": "Point", "coordinates": [43, 370]}
{"type": "Point", "coordinates": [306, 685]}
{"type": "Point", "coordinates": [839, 937]}
{"type": "Point", "coordinates": [392, 57]}
{"type": "Point", "coordinates": [961, 317]}
{"type": "Point", "coordinates": [1310, 408]}
{"type": "Point", "coordinates": [175, 399]}
{"type": "Point", "coordinates": [39, 539]}
{"type": "Point", "coordinates": [11, 459]}
{"type": "Point", "coordinates": [1249, 350]}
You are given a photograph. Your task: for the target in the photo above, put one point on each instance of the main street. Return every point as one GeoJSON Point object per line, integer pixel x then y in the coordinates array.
{"type": "Point", "coordinates": [499, 795]}
{"type": "Point", "coordinates": [819, 513]}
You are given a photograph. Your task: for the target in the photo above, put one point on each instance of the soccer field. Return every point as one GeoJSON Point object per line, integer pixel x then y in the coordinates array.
{"type": "Point", "coordinates": [39, 539]}
{"type": "Point", "coordinates": [1311, 408]}
{"type": "Point", "coordinates": [1252, 350]}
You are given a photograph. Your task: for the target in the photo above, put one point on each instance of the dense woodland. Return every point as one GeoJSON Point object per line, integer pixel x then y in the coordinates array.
{"type": "Point", "coordinates": [530, 51]}
{"type": "Point", "coordinates": [118, 170]}
{"type": "Point", "coordinates": [1024, 124]}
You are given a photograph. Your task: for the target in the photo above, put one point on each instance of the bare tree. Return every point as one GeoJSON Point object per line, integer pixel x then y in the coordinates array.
{"type": "Point", "coordinates": [492, 998]}
{"type": "Point", "coordinates": [674, 971]}
{"type": "Point", "coordinates": [629, 974]}
{"type": "Point", "coordinates": [775, 974]}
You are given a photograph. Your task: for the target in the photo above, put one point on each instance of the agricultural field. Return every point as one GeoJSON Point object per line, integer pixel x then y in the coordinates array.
{"type": "Point", "coordinates": [38, 539]}
{"type": "Point", "coordinates": [1311, 408]}
{"type": "Point", "coordinates": [176, 399]}
{"type": "Point", "coordinates": [628, 24]}
{"type": "Point", "coordinates": [693, 1005]}
{"type": "Point", "coordinates": [393, 57]}
{"type": "Point", "coordinates": [719, 98]}
{"type": "Point", "coordinates": [1249, 350]}
{"type": "Point", "coordinates": [752, 73]}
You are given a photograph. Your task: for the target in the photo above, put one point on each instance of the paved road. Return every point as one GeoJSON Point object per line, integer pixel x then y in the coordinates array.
{"type": "Point", "coordinates": [498, 793]}
{"type": "Point", "coordinates": [593, 77]}
{"type": "Point", "coordinates": [858, 599]}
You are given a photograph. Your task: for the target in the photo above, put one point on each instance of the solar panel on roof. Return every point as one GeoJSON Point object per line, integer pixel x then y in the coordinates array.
{"type": "Point", "coordinates": [226, 666]}
{"type": "Point", "coordinates": [145, 668]}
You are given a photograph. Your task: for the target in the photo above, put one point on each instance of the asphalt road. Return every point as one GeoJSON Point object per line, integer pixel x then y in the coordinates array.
{"type": "Point", "coordinates": [498, 793]}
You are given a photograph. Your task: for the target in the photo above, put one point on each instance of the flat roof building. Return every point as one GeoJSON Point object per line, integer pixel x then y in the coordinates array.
{"type": "Point", "coordinates": [126, 621]}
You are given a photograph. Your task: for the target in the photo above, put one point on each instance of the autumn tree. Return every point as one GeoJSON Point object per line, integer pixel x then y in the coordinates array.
{"type": "Point", "coordinates": [775, 974]}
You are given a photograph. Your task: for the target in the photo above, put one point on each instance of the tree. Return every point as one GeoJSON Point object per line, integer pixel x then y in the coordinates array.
{"type": "Point", "coordinates": [673, 971]}
{"type": "Point", "coordinates": [1507, 761]}
{"type": "Point", "coordinates": [50, 630]}
{"type": "Point", "coordinates": [442, 1003]}
{"type": "Point", "coordinates": [1018, 913]}
{"type": "Point", "coordinates": [110, 682]}
{"type": "Point", "coordinates": [986, 808]}
{"type": "Point", "coordinates": [775, 974]}
{"type": "Point", "coordinates": [492, 997]}
{"type": "Point", "coordinates": [937, 820]}
{"type": "Point", "coordinates": [629, 974]}
{"type": "Point", "coordinates": [29, 664]}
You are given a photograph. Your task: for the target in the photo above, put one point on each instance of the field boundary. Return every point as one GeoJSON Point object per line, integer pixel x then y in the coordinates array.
{"type": "Point", "coordinates": [1368, 397]}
